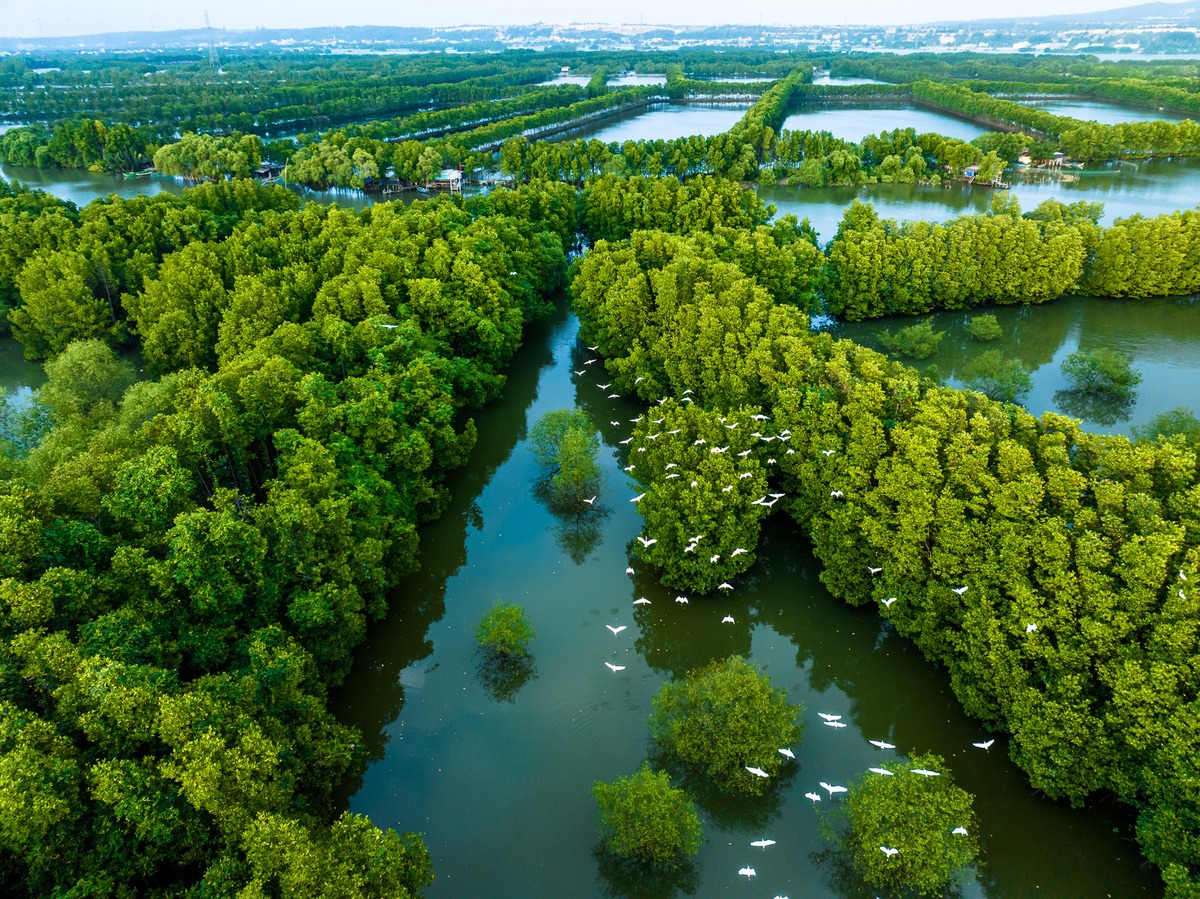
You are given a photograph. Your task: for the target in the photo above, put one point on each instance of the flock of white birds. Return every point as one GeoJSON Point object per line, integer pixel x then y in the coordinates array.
{"type": "Point", "coordinates": [828, 719]}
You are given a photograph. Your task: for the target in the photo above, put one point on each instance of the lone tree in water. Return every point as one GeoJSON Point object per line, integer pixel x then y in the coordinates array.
{"type": "Point", "coordinates": [504, 632]}
{"type": "Point", "coordinates": [725, 718]}
{"type": "Point", "coordinates": [566, 444]}
{"type": "Point", "coordinates": [909, 831]}
{"type": "Point", "coordinates": [643, 819]}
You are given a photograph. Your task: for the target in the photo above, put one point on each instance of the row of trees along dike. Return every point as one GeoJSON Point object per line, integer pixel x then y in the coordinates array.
{"type": "Point", "coordinates": [188, 559]}
{"type": "Point", "coordinates": [1050, 570]}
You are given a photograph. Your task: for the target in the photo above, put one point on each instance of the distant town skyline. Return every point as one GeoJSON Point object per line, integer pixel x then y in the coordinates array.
{"type": "Point", "coordinates": [63, 18]}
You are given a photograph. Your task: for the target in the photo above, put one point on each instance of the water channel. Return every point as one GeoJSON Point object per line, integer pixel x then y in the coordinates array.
{"type": "Point", "coordinates": [664, 121]}
{"type": "Point", "coordinates": [496, 775]}
{"type": "Point", "coordinates": [856, 122]}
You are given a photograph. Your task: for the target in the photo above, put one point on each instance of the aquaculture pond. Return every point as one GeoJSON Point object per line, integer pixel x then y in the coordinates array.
{"type": "Point", "coordinates": [1104, 113]}
{"type": "Point", "coordinates": [664, 121]}
{"type": "Point", "coordinates": [856, 122]}
{"type": "Point", "coordinates": [496, 773]}
{"type": "Point", "coordinates": [826, 78]}
{"type": "Point", "coordinates": [1161, 337]}
{"type": "Point", "coordinates": [1149, 188]}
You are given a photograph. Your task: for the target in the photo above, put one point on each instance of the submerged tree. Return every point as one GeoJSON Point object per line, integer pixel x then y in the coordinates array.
{"type": "Point", "coordinates": [645, 820]}
{"type": "Point", "coordinates": [917, 341]}
{"type": "Point", "coordinates": [566, 444]}
{"type": "Point", "coordinates": [910, 830]}
{"type": "Point", "coordinates": [725, 719]}
{"type": "Point", "coordinates": [983, 328]}
{"type": "Point", "coordinates": [1102, 372]}
{"type": "Point", "coordinates": [1006, 380]}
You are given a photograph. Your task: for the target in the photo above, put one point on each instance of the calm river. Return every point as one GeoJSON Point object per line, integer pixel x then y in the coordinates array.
{"type": "Point", "coordinates": [497, 776]}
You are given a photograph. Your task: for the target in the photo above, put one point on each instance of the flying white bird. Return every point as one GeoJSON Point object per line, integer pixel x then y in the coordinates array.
{"type": "Point", "coordinates": [719, 449]}
{"type": "Point", "coordinates": [874, 570]}
{"type": "Point", "coordinates": [626, 441]}
{"type": "Point", "coordinates": [594, 348]}
{"type": "Point", "coordinates": [739, 551]}
{"type": "Point", "coordinates": [638, 499]}
{"type": "Point", "coordinates": [888, 602]}
{"type": "Point", "coordinates": [1182, 576]}
{"type": "Point", "coordinates": [762, 844]}
{"type": "Point", "coordinates": [641, 601]}
{"type": "Point", "coordinates": [630, 467]}
{"type": "Point", "coordinates": [787, 754]}
{"type": "Point", "coordinates": [715, 558]}
{"type": "Point", "coordinates": [772, 462]}
{"type": "Point", "coordinates": [728, 619]}
{"type": "Point", "coordinates": [629, 571]}
{"type": "Point", "coordinates": [881, 744]}
{"type": "Point", "coordinates": [671, 465]}
{"type": "Point", "coordinates": [725, 586]}
{"type": "Point", "coordinates": [829, 717]}
{"type": "Point", "coordinates": [883, 771]}
{"type": "Point", "coordinates": [389, 327]}
{"type": "Point", "coordinates": [614, 396]}
{"type": "Point", "coordinates": [749, 872]}
{"type": "Point", "coordinates": [986, 744]}
{"type": "Point", "coordinates": [700, 442]}
{"type": "Point", "coordinates": [1030, 628]}
{"type": "Point", "coordinates": [828, 452]}
{"type": "Point", "coordinates": [832, 788]}
{"type": "Point", "coordinates": [757, 772]}
{"type": "Point", "coordinates": [732, 426]}
{"type": "Point", "coordinates": [638, 380]}
{"type": "Point", "coordinates": [681, 599]}
{"type": "Point", "coordinates": [615, 424]}
{"type": "Point", "coordinates": [834, 724]}
{"type": "Point", "coordinates": [612, 667]}
{"type": "Point", "coordinates": [589, 361]}
{"type": "Point", "coordinates": [592, 500]}
{"type": "Point", "coordinates": [616, 630]}
{"type": "Point", "coordinates": [1181, 596]}
{"type": "Point", "coordinates": [836, 494]}
{"type": "Point", "coordinates": [727, 489]}
{"type": "Point", "coordinates": [646, 542]}
{"type": "Point", "coordinates": [744, 454]}
{"type": "Point", "coordinates": [582, 371]}
{"type": "Point", "coordinates": [673, 474]}
{"type": "Point", "coordinates": [889, 852]}
{"type": "Point", "coordinates": [815, 797]}
{"type": "Point", "coordinates": [744, 475]}
{"type": "Point", "coordinates": [925, 772]}
{"type": "Point", "coordinates": [960, 831]}
{"type": "Point", "coordinates": [604, 386]}
{"type": "Point", "coordinates": [959, 590]}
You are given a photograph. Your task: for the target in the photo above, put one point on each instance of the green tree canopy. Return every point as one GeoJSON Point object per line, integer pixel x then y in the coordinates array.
{"type": "Point", "coordinates": [724, 718]}
{"type": "Point", "coordinates": [644, 819]}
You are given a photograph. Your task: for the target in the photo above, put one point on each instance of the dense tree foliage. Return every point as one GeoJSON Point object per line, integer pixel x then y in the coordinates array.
{"type": "Point", "coordinates": [188, 562]}
{"type": "Point", "coordinates": [645, 819]}
{"type": "Point", "coordinates": [723, 719]}
{"type": "Point", "coordinates": [909, 831]}
{"type": "Point", "coordinates": [505, 631]}
{"type": "Point", "coordinates": [565, 443]}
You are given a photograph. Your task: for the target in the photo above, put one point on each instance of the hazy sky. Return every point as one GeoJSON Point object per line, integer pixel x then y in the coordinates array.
{"type": "Point", "coordinates": [22, 18]}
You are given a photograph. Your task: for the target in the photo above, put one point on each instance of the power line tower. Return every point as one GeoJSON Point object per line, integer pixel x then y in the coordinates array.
{"type": "Point", "coordinates": [213, 59]}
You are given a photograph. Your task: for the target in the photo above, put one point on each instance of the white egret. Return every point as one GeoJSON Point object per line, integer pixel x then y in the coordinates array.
{"type": "Point", "coordinates": [1030, 628]}
{"type": "Point", "coordinates": [762, 844]}
{"type": "Point", "coordinates": [986, 744]}
{"type": "Point", "coordinates": [638, 380]}
{"type": "Point", "coordinates": [757, 772]}
{"type": "Point", "coordinates": [834, 724]}
{"type": "Point", "coordinates": [612, 667]}
{"type": "Point", "coordinates": [582, 371]}
{"type": "Point", "coordinates": [744, 475]}
{"type": "Point", "coordinates": [641, 601]}
{"type": "Point", "coordinates": [728, 489]}
{"type": "Point", "coordinates": [960, 831]}
{"type": "Point", "coordinates": [959, 590]}
{"type": "Point", "coordinates": [714, 558]}
{"type": "Point", "coordinates": [653, 436]}
{"type": "Point", "coordinates": [629, 570]}
{"type": "Point", "coordinates": [645, 542]}
{"type": "Point", "coordinates": [1182, 576]}
{"type": "Point", "coordinates": [700, 442]}
{"type": "Point", "coordinates": [616, 630]}
{"type": "Point", "coordinates": [512, 274]}
{"type": "Point", "coordinates": [772, 462]}
{"type": "Point", "coordinates": [673, 474]}
{"type": "Point", "coordinates": [888, 602]}
{"type": "Point", "coordinates": [725, 586]}
{"type": "Point", "coordinates": [690, 548]}
{"type": "Point", "coordinates": [874, 570]}
{"type": "Point", "coordinates": [593, 348]}
{"type": "Point", "coordinates": [836, 494]}
{"type": "Point", "coordinates": [681, 599]}
{"type": "Point", "coordinates": [787, 754]}
{"type": "Point", "coordinates": [828, 452]}
{"type": "Point", "coordinates": [832, 788]}
{"type": "Point", "coordinates": [614, 396]}
{"type": "Point", "coordinates": [626, 441]}
{"type": "Point", "coordinates": [749, 872]}
{"type": "Point", "coordinates": [719, 449]}
{"type": "Point", "coordinates": [615, 424]}
{"type": "Point", "coordinates": [760, 501]}
{"type": "Point", "coordinates": [671, 465]}
{"type": "Point", "coordinates": [829, 717]}
{"type": "Point", "coordinates": [815, 797]}
{"type": "Point", "coordinates": [389, 327]}
{"type": "Point", "coordinates": [791, 452]}
{"type": "Point", "coordinates": [589, 361]}
{"type": "Point", "coordinates": [697, 538]}
{"type": "Point", "coordinates": [673, 432]}
{"type": "Point", "coordinates": [728, 619]}
{"type": "Point", "coordinates": [638, 499]}
{"type": "Point", "coordinates": [739, 551]}
{"type": "Point", "coordinates": [630, 467]}
{"type": "Point", "coordinates": [884, 771]}
{"type": "Point", "coordinates": [592, 500]}
{"type": "Point", "coordinates": [777, 495]}
{"type": "Point", "coordinates": [925, 772]}
{"type": "Point", "coordinates": [732, 426]}
{"type": "Point", "coordinates": [744, 453]}
{"type": "Point", "coordinates": [1181, 596]}
{"type": "Point", "coordinates": [888, 851]}
{"type": "Point", "coordinates": [604, 386]}
{"type": "Point", "coordinates": [881, 744]}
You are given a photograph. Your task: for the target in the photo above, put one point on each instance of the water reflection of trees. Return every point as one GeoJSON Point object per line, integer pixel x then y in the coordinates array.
{"type": "Point", "coordinates": [503, 678]}
{"type": "Point", "coordinates": [619, 876]}
{"type": "Point", "coordinates": [1103, 409]}
{"type": "Point", "coordinates": [579, 533]}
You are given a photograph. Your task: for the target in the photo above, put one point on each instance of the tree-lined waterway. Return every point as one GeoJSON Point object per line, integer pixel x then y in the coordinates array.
{"type": "Point", "coordinates": [498, 782]}
{"type": "Point", "coordinates": [1104, 113]}
{"type": "Point", "coordinates": [664, 121]}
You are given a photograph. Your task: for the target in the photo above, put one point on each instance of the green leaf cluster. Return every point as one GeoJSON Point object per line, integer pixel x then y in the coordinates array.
{"type": "Point", "coordinates": [644, 819]}
{"type": "Point", "coordinates": [505, 631]}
